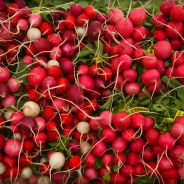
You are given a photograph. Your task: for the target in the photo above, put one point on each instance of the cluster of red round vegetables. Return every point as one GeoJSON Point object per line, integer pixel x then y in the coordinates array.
{"type": "Point", "coordinates": [59, 134]}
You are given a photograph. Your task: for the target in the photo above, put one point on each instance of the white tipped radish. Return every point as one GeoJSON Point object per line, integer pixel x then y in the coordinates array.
{"type": "Point", "coordinates": [83, 127]}
{"type": "Point", "coordinates": [33, 33]}
{"type": "Point", "coordinates": [26, 173]}
{"type": "Point", "coordinates": [43, 180]}
{"type": "Point", "coordinates": [43, 160]}
{"type": "Point", "coordinates": [53, 63]}
{"type": "Point", "coordinates": [17, 136]}
{"type": "Point", "coordinates": [81, 31]}
{"type": "Point", "coordinates": [2, 168]}
{"type": "Point", "coordinates": [8, 114]}
{"type": "Point", "coordinates": [56, 160]}
{"type": "Point", "coordinates": [85, 147]}
{"type": "Point", "coordinates": [31, 108]}
{"type": "Point", "coordinates": [35, 19]}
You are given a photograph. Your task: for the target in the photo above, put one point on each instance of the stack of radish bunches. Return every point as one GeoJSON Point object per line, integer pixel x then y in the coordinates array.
{"type": "Point", "coordinates": [57, 74]}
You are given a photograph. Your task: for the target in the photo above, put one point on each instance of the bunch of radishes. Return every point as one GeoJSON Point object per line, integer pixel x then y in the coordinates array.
{"type": "Point", "coordinates": [58, 131]}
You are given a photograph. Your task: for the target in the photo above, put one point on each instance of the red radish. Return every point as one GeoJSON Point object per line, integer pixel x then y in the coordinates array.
{"type": "Point", "coordinates": [86, 82]}
{"type": "Point", "coordinates": [40, 138]}
{"type": "Point", "coordinates": [107, 159]}
{"type": "Point", "coordinates": [91, 173]}
{"type": "Point", "coordinates": [12, 147]}
{"type": "Point", "coordinates": [132, 88]}
{"type": "Point", "coordinates": [170, 174]}
{"type": "Point", "coordinates": [148, 154]}
{"type": "Point", "coordinates": [62, 84]}
{"type": "Point", "coordinates": [133, 158]}
{"type": "Point", "coordinates": [4, 74]}
{"type": "Point", "coordinates": [148, 123]}
{"type": "Point", "coordinates": [138, 16]}
{"type": "Point", "coordinates": [138, 54]}
{"type": "Point", "coordinates": [13, 84]}
{"type": "Point", "coordinates": [2, 141]}
{"type": "Point", "coordinates": [166, 141]}
{"type": "Point", "coordinates": [4, 91]}
{"type": "Point", "coordinates": [76, 9]}
{"type": "Point", "coordinates": [46, 28]}
{"type": "Point", "coordinates": [28, 123]}
{"type": "Point", "coordinates": [56, 53]}
{"type": "Point", "coordinates": [22, 24]}
{"type": "Point", "coordinates": [75, 162]}
{"type": "Point", "coordinates": [106, 117]}
{"type": "Point", "coordinates": [41, 46]}
{"type": "Point", "coordinates": [31, 108]}
{"type": "Point", "coordinates": [174, 29]}
{"type": "Point", "coordinates": [28, 145]}
{"type": "Point", "coordinates": [177, 130]}
{"type": "Point", "coordinates": [109, 135]}
{"type": "Point", "coordinates": [9, 101]}
{"type": "Point", "coordinates": [119, 145]}
{"type": "Point", "coordinates": [137, 145]}
{"type": "Point", "coordinates": [159, 35]}
{"type": "Point", "coordinates": [149, 61]}
{"type": "Point", "coordinates": [152, 136]}
{"type": "Point", "coordinates": [163, 49]}
{"type": "Point", "coordinates": [94, 30]}
{"type": "Point", "coordinates": [90, 12]}
{"type": "Point", "coordinates": [176, 44]}
{"type": "Point", "coordinates": [100, 148]}
{"type": "Point", "coordinates": [68, 50]}
{"type": "Point", "coordinates": [82, 20]}
{"type": "Point", "coordinates": [124, 27]}
{"type": "Point", "coordinates": [121, 120]}
{"type": "Point", "coordinates": [128, 134]}
{"type": "Point", "coordinates": [177, 58]}
{"type": "Point", "coordinates": [16, 117]}
{"type": "Point", "coordinates": [165, 163]}
{"type": "Point", "coordinates": [115, 15]}
{"type": "Point", "coordinates": [101, 17]}
{"type": "Point", "coordinates": [165, 6]}
{"type": "Point", "coordinates": [36, 76]}
{"type": "Point", "coordinates": [140, 33]}
{"type": "Point", "coordinates": [60, 104]}
{"type": "Point", "coordinates": [118, 178]}
{"type": "Point", "coordinates": [179, 72]}
{"type": "Point", "coordinates": [130, 75]}
{"type": "Point", "coordinates": [150, 76]}
{"type": "Point", "coordinates": [137, 120]}
{"type": "Point", "coordinates": [35, 19]}
{"type": "Point", "coordinates": [159, 21]}
{"type": "Point", "coordinates": [177, 13]}
{"type": "Point", "coordinates": [90, 160]}
{"type": "Point", "coordinates": [177, 152]}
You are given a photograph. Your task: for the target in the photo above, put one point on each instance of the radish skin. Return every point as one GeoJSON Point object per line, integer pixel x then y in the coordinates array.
{"type": "Point", "coordinates": [33, 34]}
{"type": "Point", "coordinates": [83, 127]}
{"type": "Point", "coordinates": [26, 173]}
{"type": "Point", "coordinates": [57, 160]}
{"type": "Point", "coordinates": [31, 108]}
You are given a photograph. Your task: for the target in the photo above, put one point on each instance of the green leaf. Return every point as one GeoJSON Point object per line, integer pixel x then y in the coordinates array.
{"type": "Point", "coordinates": [107, 104]}
{"type": "Point", "coordinates": [180, 93]}
{"type": "Point", "coordinates": [98, 163]}
{"type": "Point", "coordinates": [115, 168]}
{"type": "Point", "coordinates": [107, 177]}
{"type": "Point", "coordinates": [159, 107]}
{"type": "Point", "coordinates": [144, 180]}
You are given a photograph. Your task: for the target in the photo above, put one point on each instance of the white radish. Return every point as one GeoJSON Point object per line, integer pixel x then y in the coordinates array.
{"type": "Point", "coordinates": [85, 147]}
{"type": "Point", "coordinates": [81, 31]}
{"type": "Point", "coordinates": [31, 108]}
{"type": "Point", "coordinates": [26, 173]}
{"type": "Point", "coordinates": [2, 168]}
{"type": "Point", "coordinates": [17, 136]}
{"type": "Point", "coordinates": [43, 160]}
{"type": "Point", "coordinates": [56, 160]}
{"type": "Point", "coordinates": [83, 127]}
{"type": "Point", "coordinates": [33, 34]}
{"type": "Point", "coordinates": [43, 180]}
{"type": "Point", "coordinates": [53, 63]}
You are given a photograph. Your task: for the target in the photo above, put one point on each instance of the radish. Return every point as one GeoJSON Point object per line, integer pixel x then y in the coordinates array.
{"type": "Point", "coordinates": [133, 158]}
{"type": "Point", "coordinates": [132, 88]}
{"type": "Point", "coordinates": [166, 141]}
{"type": "Point", "coordinates": [119, 145]}
{"type": "Point", "coordinates": [68, 50]}
{"type": "Point", "coordinates": [33, 34]}
{"type": "Point", "coordinates": [35, 19]}
{"type": "Point", "coordinates": [52, 62]}
{"type": "Point", "coordinates": [137, 120]}
{"type": "Point", "coordinates": [128, 134]}
{"type": "Point", "coordinates": [26, 173]}
{"type": "Point", "coordinates": [48, 82]}
{"type": "Point", "coordinates": [163, 49]}
{"type": "Point", "coordinates": [115, 15]}
{"type": "Point", "coordinates": [159, 35]}
{"type": "Point", "coordinates": [81, 32]}
{"type": "Point", "coordinates": [91, 173]}
{"type": "Point", "coordinates": [159, 21]}
{"type": "Point", "coordinates": [174, 29]}
{"type": "Point", "coordinates": [152, 136]}
{"type": "Point", "coordinates": [31, 108]}
{"type": "Point", "coordinates": [27, 123]}
{"type": "Point", "coordinates": [12, 147]}
{"type": "Point", "coordinates": [9, 101]}
{"type": "Point", "coordinates": [13, 84]}
{"type": "Point", "coordinates": [43, 180]}
{"type": "Point", "coordinates": [149, 61]}
{"type": "Point", "coordinates": [165, 6]}
{"type": "Point", "coordinates": [56, 160]}
{"type": "Point", "coordinates": [121, 120]}
{"type": "Point", "coordinates": [177, 152]}
{"type": "Point", "coordinates": [137, 145]}
{"type": "Point", "coordinates": [138, 16]}
{"type": "Point", "coordinates": [177, 13]}
{"type": "Point", "coordinates": [4, 74]}
{"type": "Point", "coordinates": [109, 135]}
{"type": "Point", "coordinates": [4, 91]}
{"type": "Point", "coordinates": [86, 82]}
{"type": "Point", "coordinates": [85, 147]}
{"type": "Point", "coordinates": [124, 27]}
{"type": "Point", "coordinates": [41, 46]}
{"type": "Point", "coordinates": [2, 168]}
{"type": "Point", "coordinates": [106, 117]}
{"type": "Point", "coordinates": [83, 127]}
{"type": "Point", "coordinates": [150, 76]}
{"type": "Point", "coordinates": [99, 148]}
{"type": "Point", "coordinates": [165, 163]}
{"type": "Point", "coordinates": [177, 130]}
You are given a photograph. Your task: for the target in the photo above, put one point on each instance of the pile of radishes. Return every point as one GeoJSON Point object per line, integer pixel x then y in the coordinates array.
{"type": "Point", "coordinates": [56, 76]}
